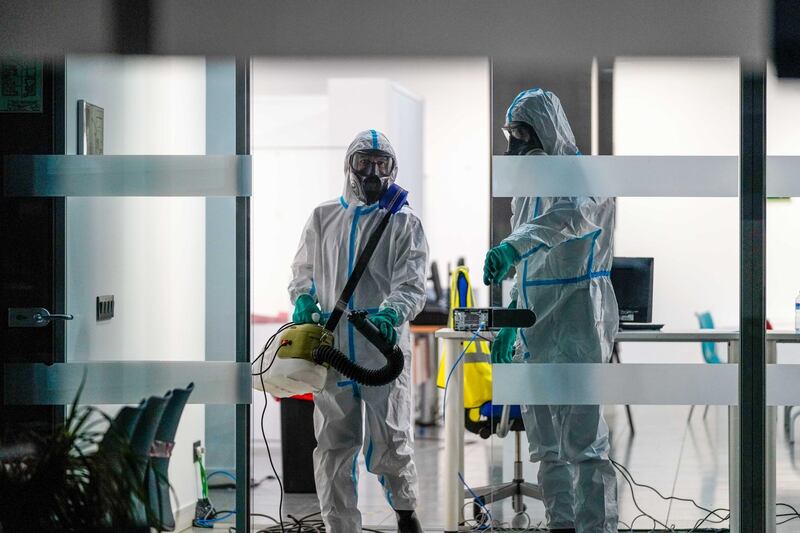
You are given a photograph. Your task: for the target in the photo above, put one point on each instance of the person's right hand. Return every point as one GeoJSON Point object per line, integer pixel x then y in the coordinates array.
{"type": "Point", "coordinates": [503, 345]}
{"type": "Point", "coordinates": [305, 307]}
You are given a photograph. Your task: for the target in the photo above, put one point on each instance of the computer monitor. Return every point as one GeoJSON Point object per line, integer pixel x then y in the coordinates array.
{"type": "Point", "coordinates": [632, 278]}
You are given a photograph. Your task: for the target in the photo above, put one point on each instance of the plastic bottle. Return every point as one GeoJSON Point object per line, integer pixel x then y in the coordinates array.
{"type": "Point", "coordinates": [797, 314]}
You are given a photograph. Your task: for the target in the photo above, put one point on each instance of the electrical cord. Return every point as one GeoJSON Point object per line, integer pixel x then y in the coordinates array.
{"type": "Point", "coordinates": [305, 524]}
{"type": "Point", "coordinates": [480, 503]}
{"type": "Point", "coordinates": [260, 375]}
{"type": "Point", "coordinates": [794, 515]}
{"type": "Point", "coordinates": [642, 513]}
{"type": "Point", "coordinates": [631, 481]}
{"type": "Point", "coordinates": [455, 365]}
{"type": "Point", "coordinates": [717, 515]}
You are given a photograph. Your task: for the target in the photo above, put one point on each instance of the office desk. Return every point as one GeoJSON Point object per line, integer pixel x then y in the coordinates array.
{"type": "Point", "coordinates": [454, 404]}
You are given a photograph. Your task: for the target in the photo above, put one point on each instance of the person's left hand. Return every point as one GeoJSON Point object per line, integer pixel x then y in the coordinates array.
{"type": "Point", "coordinates": [503, 345]}
{"type": "Point", "coordinates": [386, 320]}
{"type": "Point", "coordinates": [498, 262]}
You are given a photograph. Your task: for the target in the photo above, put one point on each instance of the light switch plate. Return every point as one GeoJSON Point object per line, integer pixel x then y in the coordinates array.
{"type": "Point", "coordinates": [105, 308]}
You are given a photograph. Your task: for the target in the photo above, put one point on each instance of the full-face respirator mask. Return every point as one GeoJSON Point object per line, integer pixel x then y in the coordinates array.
{"type": "Point", "coordinates": [522, 139]}
{"type": "Point", "coordinates": [371, 173]}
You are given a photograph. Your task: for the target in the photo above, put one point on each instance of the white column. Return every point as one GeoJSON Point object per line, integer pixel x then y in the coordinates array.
{"type": "Point", "coordinates": [454, 438]}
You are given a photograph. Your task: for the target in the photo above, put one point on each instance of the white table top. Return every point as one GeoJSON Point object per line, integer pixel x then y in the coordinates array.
{"type": "Point", "coordinates": [689, 335]}
{"type": "Point", "coordinates": [693, 335]}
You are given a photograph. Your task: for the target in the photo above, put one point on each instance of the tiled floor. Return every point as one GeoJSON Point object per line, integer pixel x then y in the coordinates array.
{"type": "Point", "coordinates": [687, 460]}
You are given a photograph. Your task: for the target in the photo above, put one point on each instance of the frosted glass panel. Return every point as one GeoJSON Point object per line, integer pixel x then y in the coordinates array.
{"type": "Point", "coordinates": [126, 382]}
{"type": "Point", "coordinates": [636, 176]}
{"type": "Point", "coordinates": [783, 176]}
{"type": "Point", "coordinates": [643, 176]}
{"type": "Point", "coordinates": [630, 383]}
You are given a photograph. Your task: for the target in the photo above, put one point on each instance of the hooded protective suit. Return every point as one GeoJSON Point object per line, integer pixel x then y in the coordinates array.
{"type": "Point", "coordinates": [565, 246]}
{"type": "Point", "coordinates": [331, 242]}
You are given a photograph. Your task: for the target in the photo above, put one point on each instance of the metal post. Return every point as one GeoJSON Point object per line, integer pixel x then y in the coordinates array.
{"type": "Point", "coordinates": [752, 369]}
{"type": "Point", "coordinates": [243, 298]}
{"type": "Point", "coordinates": [772, 424]}
{"type": "Point", "coordinates": [734, 459]}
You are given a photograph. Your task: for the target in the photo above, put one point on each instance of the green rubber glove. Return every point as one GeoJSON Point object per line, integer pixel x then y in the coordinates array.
{"type": "Point", "coordinates": [498, 262]}
{"type": "Point", "coordinates": [304, 308]}
{"type": "Point", "coordinates": [386, 320]}
{"type": "Point", "coordinates": [503, 345]}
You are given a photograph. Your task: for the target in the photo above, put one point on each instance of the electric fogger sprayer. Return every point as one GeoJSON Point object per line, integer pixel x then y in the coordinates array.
{"type": "Point", "coordinates": [298, 362]}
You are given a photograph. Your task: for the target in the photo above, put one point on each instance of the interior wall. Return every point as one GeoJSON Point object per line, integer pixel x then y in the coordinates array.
{"type": "Point", "coordinates": [783, 215]}
{"type": "Point", "coordinates": [680, 107]}
{"type": "Point", "coordinates": [148, 252]}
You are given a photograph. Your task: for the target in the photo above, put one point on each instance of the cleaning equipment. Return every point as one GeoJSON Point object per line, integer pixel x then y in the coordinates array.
{"type": "Point", "coordinates": [299, 361]}
{"type": "Point", "coordinates": [204, 509]}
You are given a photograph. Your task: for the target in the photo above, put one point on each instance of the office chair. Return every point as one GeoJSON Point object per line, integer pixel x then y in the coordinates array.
{"type": "Point", "coordinates": [499, 421]}
{"type": "Point", "coordinates": [709, 350]}
{"type": "Point", "coordinates": [121, 428]}
{"type": "Point", "coordinates": [157, 482]}
{"type": "Point", "coordinates": [144, 433]}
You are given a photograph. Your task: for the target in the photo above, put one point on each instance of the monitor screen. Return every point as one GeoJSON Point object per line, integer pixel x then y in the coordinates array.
{"type": "Point", "coordinates": [632, 278]}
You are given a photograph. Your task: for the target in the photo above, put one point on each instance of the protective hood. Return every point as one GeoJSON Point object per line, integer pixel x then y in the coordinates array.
{"type": "Point", "coordinates": [365, 140]}
{"type": "Point", "coordinates": [542, 111]}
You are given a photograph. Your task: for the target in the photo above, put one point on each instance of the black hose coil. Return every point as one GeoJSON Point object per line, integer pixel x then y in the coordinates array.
{"type": "Point", "coordinates": [374, 377]}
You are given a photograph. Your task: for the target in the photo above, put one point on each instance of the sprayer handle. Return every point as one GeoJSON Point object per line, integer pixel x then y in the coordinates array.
{"type": "Point", "coordinates": [370, 331]}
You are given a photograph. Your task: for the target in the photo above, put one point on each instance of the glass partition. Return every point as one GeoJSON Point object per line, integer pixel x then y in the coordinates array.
{"type": "Point", "coordinates": [155, 289]}
{"type": "Point", "coordinates": [783, 98]}
{"type": "Point", "coordinates": [669, 397]}
{"type": "Point", "coordinates": [305, 114]}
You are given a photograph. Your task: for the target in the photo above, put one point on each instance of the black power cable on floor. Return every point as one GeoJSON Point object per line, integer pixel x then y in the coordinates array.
{"type": "Point", "coordinates": [794, 515]}
{"type": "Point", "coordinates": [628, 477]}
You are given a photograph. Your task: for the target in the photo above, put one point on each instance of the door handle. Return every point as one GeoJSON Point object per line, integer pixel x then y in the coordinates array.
{"type": "Point", "coordinates": [33, 317]}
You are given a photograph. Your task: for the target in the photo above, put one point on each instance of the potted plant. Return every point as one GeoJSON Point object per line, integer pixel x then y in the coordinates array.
{"type": "Point", "coordinates": [65, 480]}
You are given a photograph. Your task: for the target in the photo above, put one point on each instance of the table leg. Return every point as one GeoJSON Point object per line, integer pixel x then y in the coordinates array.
{"type": "Point", "coordinates": [733, 449]}
{"type": "Point", "coordinates": [453, 438]}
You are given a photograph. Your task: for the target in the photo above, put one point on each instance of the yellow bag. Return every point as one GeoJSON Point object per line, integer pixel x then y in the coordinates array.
{"type": "Point", "coordinates": [477, 361]}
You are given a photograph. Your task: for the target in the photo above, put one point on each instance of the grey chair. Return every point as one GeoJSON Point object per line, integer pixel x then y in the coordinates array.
{"type": "Point", "coordinates": [144, 433]}
{"type": "Point", "coordinates": [158, 487]}
{"type": "Point", "coordinates": [121, 428]}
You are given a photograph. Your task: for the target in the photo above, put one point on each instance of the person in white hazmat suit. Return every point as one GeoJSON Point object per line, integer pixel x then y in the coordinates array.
{"type": "Point", "coordinates": [349, 417]}
{"type": "Point", "coordinates": [562, 249]}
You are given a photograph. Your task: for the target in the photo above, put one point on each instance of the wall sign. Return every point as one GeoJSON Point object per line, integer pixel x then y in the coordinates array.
{"type": "Point", "coordinates": [20, 86]}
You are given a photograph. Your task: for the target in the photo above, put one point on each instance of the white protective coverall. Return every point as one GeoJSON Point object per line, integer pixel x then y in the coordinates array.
{"type": "Point", "coordinates": [566, 250]}
{"type": "Point", "coordinates": [348, 415]}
